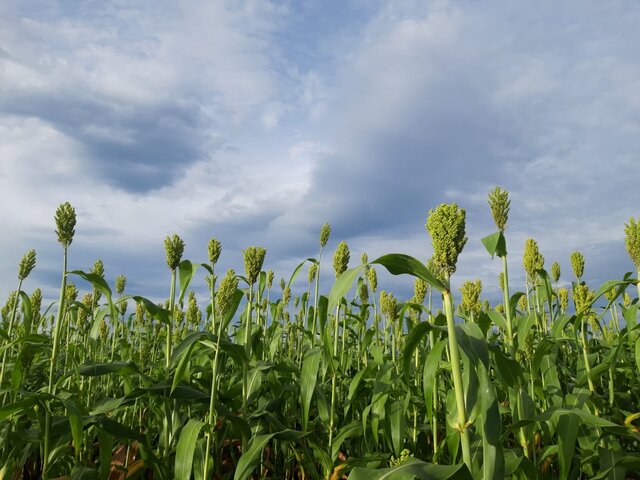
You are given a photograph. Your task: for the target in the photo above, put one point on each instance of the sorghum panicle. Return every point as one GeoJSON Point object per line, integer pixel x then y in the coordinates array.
{"type": "Point", "coordinates": [341, 258]}
{"type": "Point", "coordinates": [555, 271]}
{"type": "Point", "coordinates": [577, 264]}
{"type": "Point", "coordinates": [253, 260]}
{"type": "Point", "coordinates": [27, 264]}
{"type": "Point", "coordinates": [313, 271]}
{"type": "Point", "coordinates": [174, 247]}
{"type": "Point", "coordinates": [471, 291]}
{"type": "Point", "coordinates": [563, 298]}
{"type": "Point", "coordinates": [372, 278]}
{"type": "Point", "coordinates": [121, 283]}
{"type": "Point", "coordinates": [226, 291]}
{"type": "Point", "coordinates": [215, 249]}
{"type": "Point", "coordinates": [499, 203]}
{"type": "Point", "coordinates": [65, 218]}
{"type": "Point", "coordinates": [446, 225]}
{"type": "Point", "coordinates": [532, 259]}
{"type": "Point", "coordinates": [632, 240]}
{"type": "Point", "coordinates": [325, 233]}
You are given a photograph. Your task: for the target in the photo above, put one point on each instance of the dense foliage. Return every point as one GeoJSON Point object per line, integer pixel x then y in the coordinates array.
{"type": "Point", "coordinates": [356, 383]}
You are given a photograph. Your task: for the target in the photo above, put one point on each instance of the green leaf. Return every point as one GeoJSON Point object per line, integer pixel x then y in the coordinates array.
{"type": "Point", "coordinates": [399, 263]}
{"type": "Point", "coordinates": [429, 377]}
{"type": "Point", "coordinates": [296, 272]}
{"type": "Point", "coordinates": [397, 425]}
{"type": "Point", "coordinates": [186, 447]}
{"type": "Point", "coordinates": [412, 341]}
{"type": "Point", "coordinates": [308, 379]}
{"type": "Point", "coordinates": [342, 285]}
{"type": "Point", "coordinates": [186, 270]}
{"type": "Point", "coordinates": [413, 468]}
{"type": "Point", "coordinates": [353, 429]}
{"type": "Point", "coordinates": [495, 244]}
{"type": "Point", "coordinates": [24, 405]}
{"type": "Point", "coordinates": [105, 447]}
{"type": "Point", "coordinates": [97, 369]}
{"type": "Point", "coordinates": [159, 313]}
{"type": "Point", "coordinates": [27, 314]}
{"type": "Point", "coordinates": [251, 458]}
{"type": "Point", "coordinates": [96, 280]}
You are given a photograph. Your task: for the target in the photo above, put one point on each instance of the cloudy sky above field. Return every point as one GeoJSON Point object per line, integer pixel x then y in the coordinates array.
{"type": "Point", "coordinates": [257, 121]}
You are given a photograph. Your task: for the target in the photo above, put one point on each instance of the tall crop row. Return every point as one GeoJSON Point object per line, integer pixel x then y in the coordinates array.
{"type": "Point", "coordinates": [357, 383]}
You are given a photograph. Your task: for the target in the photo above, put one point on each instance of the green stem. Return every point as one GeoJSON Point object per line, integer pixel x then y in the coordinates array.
{"type": "Point", "coordinates": [507, 306]}
{"type": "Point", "coordinates": [10, 331]}
{"type": "Point", "coordinates": [333, 379]}
{"type": "Point", "coordinates": [214, 373]}
{"type": "Point", "coordinates": [54, 357]}
{"type": "Point", "coordinates": [457, 380]}
{"type": "Point", "coordinates": [315, 300]}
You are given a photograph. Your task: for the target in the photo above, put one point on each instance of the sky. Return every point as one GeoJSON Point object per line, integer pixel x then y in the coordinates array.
{"type": "Point", "coordinates": [255, 122]}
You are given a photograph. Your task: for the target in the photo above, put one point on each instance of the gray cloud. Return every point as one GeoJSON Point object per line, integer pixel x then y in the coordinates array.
{"type": "Point", "coordinates": [250, 130]}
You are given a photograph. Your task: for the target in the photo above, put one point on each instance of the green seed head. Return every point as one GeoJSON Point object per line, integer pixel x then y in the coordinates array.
{"type": "Point", "coordinates": [121, 283]}
{"type": "Point", "coordinates": [286, 296]}
{"type": "Point", "coordinates": [313, 271]}
{"type": "Point", "coordinates": [215, 249]}
{"type": "Point", "coordinates": [499, 203]}
{"type": "Point", "coordinates": [65, 223]}
{"type": "Point", "coordinates": [253, 260]}
{"type": "Point", "coordinates": [139, 315]}
{"type": "Point", "coordinates": [283, 284]}
{"type": "Point", "coordinates": [270, 276]}
{"type": "Point", "coordinates": [500, 308]}
{"type": "Point", "coordinates": [70, 293]}
{"type": "Point", "coordinates": [8, 307]}
{"type": "Point", "coordinates": [471, 291]}
{"type": "Point", "coordinates": [388, 305]}
{"type": "Point", "coordinates": [193, 314]}
{"type": "Point", "coordinates": [446, 225]}
{"type": "Point", "coordinates": [632, 240]}
{"type": "Point", "coordinates": [522, 303]}
{"type": "Point", "coordinates": [364, 258]}
{"type": "Point", "coordinates": [435, 270]}
{"type": "Point", "coordinates": [98, 269]}
{"type": "Point", "coordinates": [529, 347]}
{"type": "Point", "coordinates": [174, 246]}
{"type": "Point", "coordinates": [363, 291]}
{"type": "Point", "coordinates": [226, 291]}
{"type": "Point", "coordinates": [27, 264]}
{"type": "Point", "coordinates": [555, 271]}
{"type": "Point", "coordinates": [341, 258]}
{"type": "Point", "coordinates": [532, 258]}
{"type": "Point", "coordinates": [626, 299]}
{"type": "Point", "coordinates": [420, 289]}
{"type": "Point", "coordinates": [610, 294]}
{"type": "Point", "coordinates": [577, 264]}
{"type": "Point", "coordinates": [123, 307]}
{"type": "Point", "coordinates": [36, 305]}
{"type": "Point", "coordinates": [325, 233]}
{"type": "Point", "coordinates": [501, 281]}
{"type": "Point", "coordinates": [563, 298]}
{"type": "Point", "coordinates": [583, 298]}
{"type": "Point", "coordinates": [372, 278]}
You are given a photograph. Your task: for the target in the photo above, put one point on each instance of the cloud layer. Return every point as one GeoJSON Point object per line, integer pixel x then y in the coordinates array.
{"type": "Point", "coordinates": [256, 122]}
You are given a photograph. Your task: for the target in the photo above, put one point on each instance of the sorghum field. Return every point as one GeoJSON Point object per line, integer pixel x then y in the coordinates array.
{"type": "Point", "coordinates": [353, 382]}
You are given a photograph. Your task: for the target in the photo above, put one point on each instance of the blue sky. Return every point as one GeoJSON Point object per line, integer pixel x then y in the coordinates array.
{"type": "Point", "coordinates": [256, 122]}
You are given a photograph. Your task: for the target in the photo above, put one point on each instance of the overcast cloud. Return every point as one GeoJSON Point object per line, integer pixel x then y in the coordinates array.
{"type": "Point", "coordinates": [256, 122]}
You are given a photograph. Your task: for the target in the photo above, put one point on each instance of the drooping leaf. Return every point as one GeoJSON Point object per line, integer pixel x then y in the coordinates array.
{"type": "Point", "coordinates": [399, 263]}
